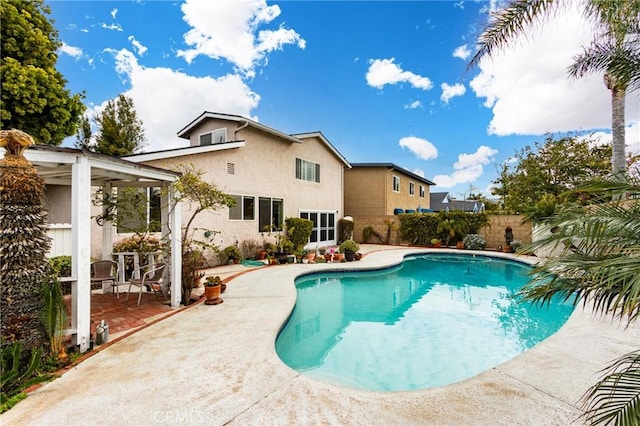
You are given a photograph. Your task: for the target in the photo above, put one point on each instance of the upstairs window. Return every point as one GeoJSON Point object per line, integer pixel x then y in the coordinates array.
{"type": "Point", "coordinates": [412, 188]}
{"type": "Point", "coordinates": [306, 170]}
{"type": "Point", "coordinates": [421, 191]}
{"type": "Point", "coordinates": [216, 136]}
{"type": "Point", "coordinates": [396, 184]}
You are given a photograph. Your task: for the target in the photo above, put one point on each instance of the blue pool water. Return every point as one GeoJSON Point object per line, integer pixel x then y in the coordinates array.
{"type": "Point", "coordinates": [435, 319]}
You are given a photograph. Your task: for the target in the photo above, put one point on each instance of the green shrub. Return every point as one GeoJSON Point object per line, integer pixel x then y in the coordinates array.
{"type": "Point", "coordinates": [298, 231]}
{"type": "Point", "coordinates": [231, 253]}
{"type": "Point", "coordinates": [18, 375]}
{"type": "Point", "coordinates": [474, 242]}
{"type": "Point", "coordinates": [137, 244]}
{"type": "Point", "coordinates": [61, 266]}
{"type": "Point", "coordinates": [345, 229]}
{"type": "Point", "coordinates": [349, 246]}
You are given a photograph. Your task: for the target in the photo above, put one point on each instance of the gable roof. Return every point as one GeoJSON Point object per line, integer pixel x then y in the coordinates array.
{"type": "Point", "coordinates": [442, 201]}
{"type": "Point", "coordinates": [438, 201]}
{"type": "Point", "coordinates": [324, 140]}
{"type": "Point", "coordinates": [392, 166]}
{"type": "Point", "coordinates": [185, 132]}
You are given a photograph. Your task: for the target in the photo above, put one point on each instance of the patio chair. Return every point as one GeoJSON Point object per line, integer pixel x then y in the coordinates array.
{"type": "Point", "coordinates": [150, 278]}
{"type": "Point", "coordinates": [105, 271]}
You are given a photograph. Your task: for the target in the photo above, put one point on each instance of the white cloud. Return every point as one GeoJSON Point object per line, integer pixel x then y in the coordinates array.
{"type": "Point", "coordinates": [421, 148]}
{"type": "Point", "coordinates": [385, 71]}
{"type": "Point", "coordinates": [463, 52]}
{"type": "Point", "coordinates": [74, 52]}
{"type": "Point", "coordinates": [113, 27]}
{"type": "Point", "coordinates": [413, 105]}
{"type": "Point", "coordinates": [140, 48]}
{"type": "Point", "coordinates": [459, 4]}
{"type": "Point", "coordinates": [182, 98]}
{"type": "Point", "coordinates": [113, 13]}
{"type": "Point", "coordinates": [468, 168]}
{"type": "Point", "coordinates": [632, 138]}
{"type": "Point", "coordinates": [229, 30]}
{"type": "Point", "coordinates": [449, 92]}
{"type": "Point", "coordinates": [530, 93]}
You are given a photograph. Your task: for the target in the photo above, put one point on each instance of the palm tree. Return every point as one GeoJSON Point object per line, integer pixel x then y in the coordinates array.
{"type": "Point", "coordinates": [614, 51]}
{"type": "Point", "coordinates": [600, 265]}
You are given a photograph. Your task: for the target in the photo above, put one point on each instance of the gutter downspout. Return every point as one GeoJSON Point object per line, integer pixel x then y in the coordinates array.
{"type": "Point", "coordinates": [235, 132]}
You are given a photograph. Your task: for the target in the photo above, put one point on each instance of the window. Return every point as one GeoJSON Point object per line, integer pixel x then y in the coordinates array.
{"type": "Point", "coordinates": [270, 214]}
{"type": "Point", "coordinates": [412, 188]}
{"type": "Point", "coordinates": [141, 211]}
{"type": "Point", "coordinates": [217, 136]}
{"type": "Point", "coordinates": [421, 191]}
{"type": "Point", "coordinates": [306, 170]}
{"type": "Point", "coordinates": [396, 184]}
{"type": "Point", "coordinates": [244, 209]}
{"type": "Point", "coordinates": [324, 227]}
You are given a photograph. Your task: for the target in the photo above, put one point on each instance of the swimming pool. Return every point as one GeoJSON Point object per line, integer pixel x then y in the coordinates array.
{"type": "Point", "coordinates": [433, 320]}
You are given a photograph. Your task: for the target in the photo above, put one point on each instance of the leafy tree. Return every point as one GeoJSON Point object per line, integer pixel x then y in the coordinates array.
{"type": "Point", "coordinates": [549, 169]}
{"type": "Point", "coordinates": [34, 98]}
{"type": "Point", "coordinates": [599, 266]}
{"type": "Point", "coordinates": [120, 131]}
{"type": "Point", "coordinates": [193, 190]}
{"type": "Point", "coordinates": [614, 51]}
{"type": "Point", "coordinates": [84, 133]}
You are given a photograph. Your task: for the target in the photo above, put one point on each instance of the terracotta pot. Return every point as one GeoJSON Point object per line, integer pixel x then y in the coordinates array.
{"type": "Point", "coordinates": [262, 254]}
{"type": "Point", "coordinates": [358, 256]}
{"type": "Point", "coordinates": [460, 245]}
{"type": "Point", "coordinates": [328, 257]}
{"type": "Point", "coordinates": [212, 291]}
{"type": "Point", "coordinates": [337, 257]}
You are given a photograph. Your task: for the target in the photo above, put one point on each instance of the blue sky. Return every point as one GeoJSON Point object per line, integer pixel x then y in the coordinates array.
{"type": "Point", "coordinates": [383, 81]}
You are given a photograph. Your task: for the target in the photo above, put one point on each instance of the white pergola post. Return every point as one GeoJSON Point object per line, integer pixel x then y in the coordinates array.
{"type": "Point", "coordinates": [175, 220]}
{"type": "Point", "coordinates": [81, 251]}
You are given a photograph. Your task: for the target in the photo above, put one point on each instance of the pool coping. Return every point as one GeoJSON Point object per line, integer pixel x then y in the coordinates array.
{"type": "Point", "coordinates": [218, 365]}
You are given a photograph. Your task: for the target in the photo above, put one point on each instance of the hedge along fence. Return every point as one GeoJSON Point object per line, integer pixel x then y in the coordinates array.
{"type": "Point", "coordinates": [420, 228]}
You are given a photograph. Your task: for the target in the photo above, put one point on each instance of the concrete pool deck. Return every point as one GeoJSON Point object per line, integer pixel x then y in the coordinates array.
{"type": "Point", "coordinates": [217, 365]}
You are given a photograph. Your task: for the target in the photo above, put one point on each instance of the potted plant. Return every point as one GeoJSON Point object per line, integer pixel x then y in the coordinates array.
{"type": "Point", "coordinates": [231, 254]}
{"type": "Point", "coordinates": [474, 242]}
{"type": "Point", "coordinates": [349, 248]}
{"type": "Point", "coordinates": [436, 242]}
{"type": "Point", "coordinates": [212, 288]}
{"type": "Point", "coordinates": [515, 245]}
{"type": "Point", "coordinates": [508, 238]}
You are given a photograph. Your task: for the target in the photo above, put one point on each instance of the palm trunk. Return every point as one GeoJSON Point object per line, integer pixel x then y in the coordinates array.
{"type": "Point", "coordinates": [618, 162]}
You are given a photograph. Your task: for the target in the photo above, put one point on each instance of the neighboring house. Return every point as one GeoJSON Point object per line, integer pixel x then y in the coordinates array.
{"type": "Point", "coordinates": [272, 175]}
{"type": "Point", "coordinates": [443, 202]}
{"type": "Point", "coordinates": [381, 189]}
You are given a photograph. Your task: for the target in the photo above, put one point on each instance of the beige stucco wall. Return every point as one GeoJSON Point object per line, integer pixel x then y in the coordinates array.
{"type": "Point", "coordinates": [369, 192]}
{"type": "Point", "coordinates": [264, 167]}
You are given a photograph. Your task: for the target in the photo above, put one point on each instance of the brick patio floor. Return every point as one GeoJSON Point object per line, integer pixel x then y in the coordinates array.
{"type": "Point", "coordinates": [123, 316]}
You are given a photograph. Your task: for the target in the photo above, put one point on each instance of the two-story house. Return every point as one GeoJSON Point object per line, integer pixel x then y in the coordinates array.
{"type": "Point", "coordinates": [381, 189]}
{"type": "Point", "coordinates": [272, 175]}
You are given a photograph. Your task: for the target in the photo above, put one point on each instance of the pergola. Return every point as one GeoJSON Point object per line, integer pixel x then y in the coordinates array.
{"type": "Point", "coordinates": [83, 170]}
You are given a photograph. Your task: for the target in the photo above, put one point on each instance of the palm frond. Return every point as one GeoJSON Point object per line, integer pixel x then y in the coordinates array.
{"type": "Point", "coordinates": [616, 397]}
{"type": "Point", "coordinates": [599, 259]}
{"type": "Point", "coordinates": [621, 62]}
{"type": "Point", "coordinates": [517, 18]}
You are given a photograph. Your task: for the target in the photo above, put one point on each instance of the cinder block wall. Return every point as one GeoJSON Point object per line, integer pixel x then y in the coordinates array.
{"type": "Point", "coordinates": [493, 232]}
